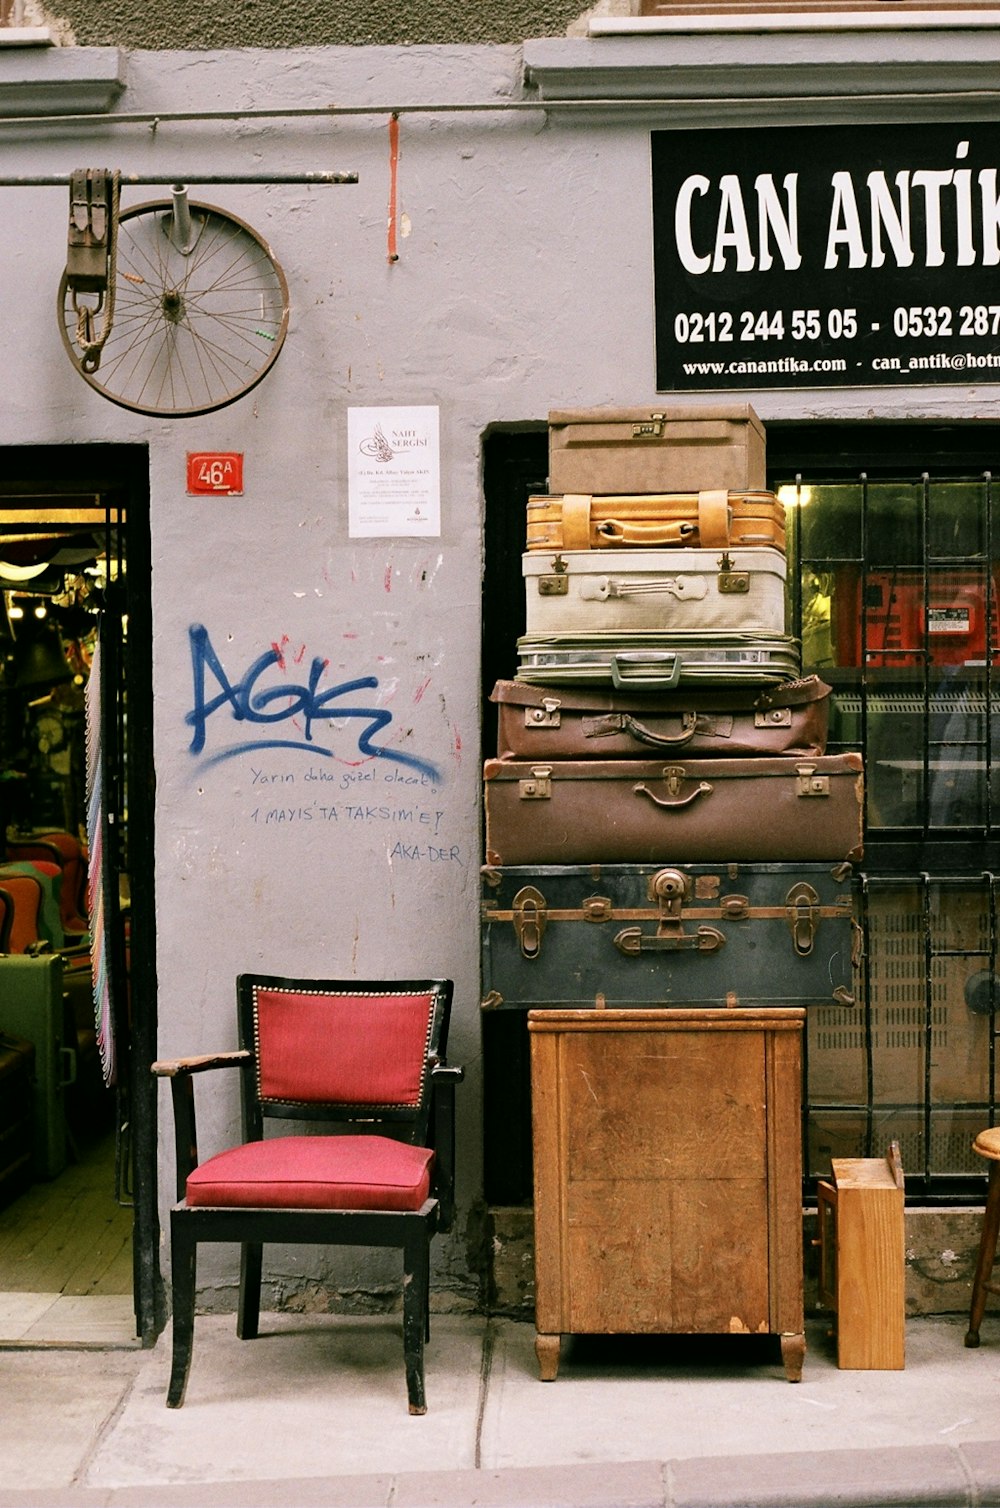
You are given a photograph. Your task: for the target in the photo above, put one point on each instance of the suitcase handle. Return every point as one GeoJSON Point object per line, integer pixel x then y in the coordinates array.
{"type": "Point", "coordinates": [632, 941]}
{"type": "Point", "coordinates": [662, 671]}
{"type": "Point", "coordinates": [620, 532]}
{"type": "Point", "coordinates": [703, 788]}
{"type": "Point", "coordinates": [644, 735]}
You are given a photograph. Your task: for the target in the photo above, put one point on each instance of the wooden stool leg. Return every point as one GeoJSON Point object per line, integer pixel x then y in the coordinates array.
{"type": "Point", "coordinates": [987, 1256]}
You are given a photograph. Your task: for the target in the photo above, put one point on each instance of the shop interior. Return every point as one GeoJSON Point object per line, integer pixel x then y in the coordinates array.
{"type": "Point", "coordinates": [66, 1175]}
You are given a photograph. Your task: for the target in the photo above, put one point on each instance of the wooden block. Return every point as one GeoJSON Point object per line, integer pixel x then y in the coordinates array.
{"type": "Point", "coordinates": [867, 1270]}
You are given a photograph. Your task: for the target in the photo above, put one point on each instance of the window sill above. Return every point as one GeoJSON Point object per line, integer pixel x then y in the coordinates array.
{"type": "Point", "coordinates": [46, 80]}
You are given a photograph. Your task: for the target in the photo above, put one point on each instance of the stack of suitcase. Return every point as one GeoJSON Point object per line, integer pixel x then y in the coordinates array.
{"type": "Point", "coordinates": [661, 760]}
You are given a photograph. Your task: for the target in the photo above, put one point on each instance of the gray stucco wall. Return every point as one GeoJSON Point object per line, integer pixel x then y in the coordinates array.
{"type": "Point", "coordinates": [524, 282]}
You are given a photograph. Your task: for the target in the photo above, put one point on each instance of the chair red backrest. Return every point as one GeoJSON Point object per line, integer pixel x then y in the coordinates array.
{"type": "Point", "coordinates": [342, 1050]}
{"type": "Point", "coordinates": [63, 849]}
{"type": "Point", "coordinates": [25, 895]}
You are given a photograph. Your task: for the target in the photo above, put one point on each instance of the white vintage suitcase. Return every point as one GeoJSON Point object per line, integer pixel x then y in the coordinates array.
{"type": "Point", "coordinates": [580, 591]}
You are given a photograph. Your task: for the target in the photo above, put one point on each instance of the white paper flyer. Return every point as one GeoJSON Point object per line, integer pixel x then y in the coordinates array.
{"type": "Point", "coordinates": [393, 471]}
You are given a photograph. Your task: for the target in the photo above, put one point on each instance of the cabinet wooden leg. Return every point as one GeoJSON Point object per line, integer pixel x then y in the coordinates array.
{"type": "Point", "coordinates": [547, 1351]}
{"type": "Point", "coordinates": [793, 1354]}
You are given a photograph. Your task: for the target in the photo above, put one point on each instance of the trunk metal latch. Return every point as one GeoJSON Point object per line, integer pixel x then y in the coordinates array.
{"type": "Point", "coordinates": [808, 783]}
{"type": "Point", "coordinates": [802, 902]}
{"type": "Point", "coordinates": [556, 585]}
{"type": "Point", "coordinates": [537, 786]}
{"type": "Point", "coordinates": [530, 919]}
{"type": "Point", "coordinates": [731, 582]}
{"type": "Point", "coordinates": [545, 716]}
{"type": "Point", "coordinates": [669, 888]}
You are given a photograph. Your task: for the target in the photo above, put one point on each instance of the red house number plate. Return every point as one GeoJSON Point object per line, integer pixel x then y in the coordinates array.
{"type": "Point", "coordinates": [215, 471]}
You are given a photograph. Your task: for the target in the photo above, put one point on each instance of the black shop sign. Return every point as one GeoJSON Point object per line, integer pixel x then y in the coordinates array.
{"type": "Point", "coordinates": [826, 256]}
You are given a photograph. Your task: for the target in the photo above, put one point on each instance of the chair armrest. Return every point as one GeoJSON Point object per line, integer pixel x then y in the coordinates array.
{"type": "Point", "coordinates": [444, 1077]}
{"type": "Point", "coordinates": [180, 1072]}
{"type": "Point", "coordinates": [171, 1068]}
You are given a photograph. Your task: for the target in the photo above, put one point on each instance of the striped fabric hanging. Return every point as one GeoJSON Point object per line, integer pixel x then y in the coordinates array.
{"type": "Point", "coordinates": [95, 876]}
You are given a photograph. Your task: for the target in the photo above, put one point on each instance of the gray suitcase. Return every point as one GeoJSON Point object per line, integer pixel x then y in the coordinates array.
{"type": "Point", "coordinates": [32, 1005]}
{"type": "Point", "coordinates": [685, 934]}
{"type": "Point", "coordinates": [579, 591]}
{"type": "Point", "coordinates": [656, 660]}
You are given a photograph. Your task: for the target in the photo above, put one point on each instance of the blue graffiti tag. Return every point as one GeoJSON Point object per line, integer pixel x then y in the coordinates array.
{"type": "Point", "coordinates": [247, 703]}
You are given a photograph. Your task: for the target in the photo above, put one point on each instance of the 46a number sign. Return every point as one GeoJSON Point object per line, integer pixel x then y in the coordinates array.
{"type": "Point", "coordinates": [216, 473]}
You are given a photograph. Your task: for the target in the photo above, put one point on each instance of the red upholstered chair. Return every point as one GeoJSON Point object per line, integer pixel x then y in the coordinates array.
{"type": "Point", "coordinates": [70, 858]}
{"type": "Point", "coordinates": [368, 1056]}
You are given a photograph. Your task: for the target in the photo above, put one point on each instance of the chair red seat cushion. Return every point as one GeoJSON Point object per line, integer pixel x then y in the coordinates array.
{"type": "Point", "coordinates": [316, 1172]}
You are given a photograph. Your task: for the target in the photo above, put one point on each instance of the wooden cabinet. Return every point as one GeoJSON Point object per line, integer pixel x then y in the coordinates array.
{"type": "Point", "coordinates": [863, 1259]}
{"type": "Point", "coordinates": [667, 1168]}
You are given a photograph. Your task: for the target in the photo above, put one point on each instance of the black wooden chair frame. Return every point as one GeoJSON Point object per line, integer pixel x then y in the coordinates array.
{"type": "Point", "coordinates": [431, 1122]}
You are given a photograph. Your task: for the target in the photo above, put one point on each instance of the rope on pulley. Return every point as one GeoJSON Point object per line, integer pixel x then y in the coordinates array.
{"type": "Point", "coordinates": [92, 256]}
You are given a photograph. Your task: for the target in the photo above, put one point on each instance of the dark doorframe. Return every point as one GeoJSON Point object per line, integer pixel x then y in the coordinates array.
{"type": "Point", "coordinates": [119, 474]}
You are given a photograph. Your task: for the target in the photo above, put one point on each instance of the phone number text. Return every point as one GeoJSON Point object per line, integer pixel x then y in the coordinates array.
{"type": "Point", "coordinates": [717, 327]}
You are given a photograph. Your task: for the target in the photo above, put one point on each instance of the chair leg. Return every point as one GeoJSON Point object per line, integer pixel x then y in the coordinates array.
{"type": "Point", "coordinates": [248, 1314]}
{"type": "Point", "coordinates": [183, 1257]}
{"type": "Point", "coordinates": [416, 1296]}
{"type": "Point", "coordinates": [987, 1256]}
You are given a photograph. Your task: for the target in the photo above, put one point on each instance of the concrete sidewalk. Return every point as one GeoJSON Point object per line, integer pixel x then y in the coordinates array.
{"type": "Point", "coordinates": [314, 1412]}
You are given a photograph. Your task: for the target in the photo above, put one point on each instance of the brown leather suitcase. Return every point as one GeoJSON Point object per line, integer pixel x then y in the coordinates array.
{"type": "Point", "coordinates": [714, 519]}
{"type": "Point", "coordinates": [687, 811]}
{"type": "Point", "coordinates": [580, 722]}
{"type": "Point", "coordinates": [668, 449]}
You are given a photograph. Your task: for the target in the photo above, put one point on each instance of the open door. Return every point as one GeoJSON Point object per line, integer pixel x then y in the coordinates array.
{"type": "Point", "coordinates": [77, 975]}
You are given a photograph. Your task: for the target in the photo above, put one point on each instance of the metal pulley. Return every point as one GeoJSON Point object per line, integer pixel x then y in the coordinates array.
{"type": "Point", "coordinates": [90, 257]}
{"type": "Point", "coordinates": [91, 218]}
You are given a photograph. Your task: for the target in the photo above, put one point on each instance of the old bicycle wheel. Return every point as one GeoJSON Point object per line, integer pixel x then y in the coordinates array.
{"type": "Point", "coordinates": [200, 311]}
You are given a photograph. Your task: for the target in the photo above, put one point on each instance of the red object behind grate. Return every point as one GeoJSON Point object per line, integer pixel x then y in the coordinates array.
{"type": "Point", "coordinates": [901, 627]}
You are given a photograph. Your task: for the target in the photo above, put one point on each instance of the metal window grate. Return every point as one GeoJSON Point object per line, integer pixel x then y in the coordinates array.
{"type": "Point", "coordinates": [894, 593]}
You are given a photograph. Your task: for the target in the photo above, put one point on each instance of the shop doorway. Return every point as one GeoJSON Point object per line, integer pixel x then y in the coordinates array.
{"type": "Point", "coordinates": [78, 1224]}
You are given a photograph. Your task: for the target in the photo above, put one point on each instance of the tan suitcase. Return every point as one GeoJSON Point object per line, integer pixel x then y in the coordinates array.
{"type": "Point", "coordinates": [709, 519]}
{"type": "Point", "coordinates": [669, 449]}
